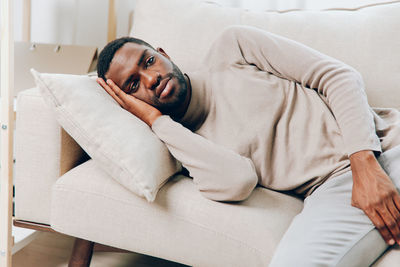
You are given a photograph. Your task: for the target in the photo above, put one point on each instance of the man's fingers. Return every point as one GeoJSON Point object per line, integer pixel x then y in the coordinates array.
{"type": "Point", "coordinates": [390, 223]}
{"type": "Point", "coordinates": [396, 200]}
{"type": "Point", "coordinates": [381, 226]}
{"type": "Point", "coordinates": [106, 87]}
{"type": "Point", "coordinates": [110, 92]}
{"type": "Point", "coordinates": [396, 220]}
{"type": "Point", "coordinates": [121, 94]}
{"type": "Point", "coordinates": [136, 106]}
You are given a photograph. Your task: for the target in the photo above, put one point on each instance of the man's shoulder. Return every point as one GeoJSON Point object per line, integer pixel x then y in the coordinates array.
{"type": "Point", "coordinates": [238, 31]}
{"type": "Point", "coordinates": [225, 50]}
{"type": "Point", "coordinates": [233, 36]}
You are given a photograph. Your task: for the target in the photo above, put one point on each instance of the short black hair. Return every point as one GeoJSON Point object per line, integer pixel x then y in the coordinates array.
{"type": "Point", "coordinates": [108, 52]}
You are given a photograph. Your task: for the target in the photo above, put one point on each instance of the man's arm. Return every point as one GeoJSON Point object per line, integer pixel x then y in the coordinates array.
{"type": "Point", "coordinates": [340, 85]}
{"type": "Point", "coordinates": [219, 173]}
{"type": "Point", "coordinates": [343, 89]}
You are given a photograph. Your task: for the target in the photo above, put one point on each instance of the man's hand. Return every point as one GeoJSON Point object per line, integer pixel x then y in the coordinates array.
{"type": "Point", "coordinates": [375, 194]}
{"type": "Point", "coordinates": [137, 107]}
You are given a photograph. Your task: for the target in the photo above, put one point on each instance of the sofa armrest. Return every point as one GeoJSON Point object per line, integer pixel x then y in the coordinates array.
{"type": "Point", "coordinates": [43, 152]}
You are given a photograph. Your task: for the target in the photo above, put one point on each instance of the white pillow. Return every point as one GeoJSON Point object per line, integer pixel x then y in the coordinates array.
{"type": "Point", "coordinates": [120, 143]}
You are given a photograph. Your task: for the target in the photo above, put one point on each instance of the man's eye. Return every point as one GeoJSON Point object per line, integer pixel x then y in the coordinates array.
{"type": "Point", "coordinates": [133, 87]}
{"type": "Point", "coordinates": [150, 61]}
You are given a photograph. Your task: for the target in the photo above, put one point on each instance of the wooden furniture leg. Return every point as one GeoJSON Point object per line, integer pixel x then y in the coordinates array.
{"type": "Point", "coordinates": [82, 250]}
{"type": "Point", "coordinates": [81, 253]}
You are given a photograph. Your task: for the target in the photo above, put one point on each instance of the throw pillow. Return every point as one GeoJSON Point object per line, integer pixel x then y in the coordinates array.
{"type": "Point", "coordinates": [120, 143]}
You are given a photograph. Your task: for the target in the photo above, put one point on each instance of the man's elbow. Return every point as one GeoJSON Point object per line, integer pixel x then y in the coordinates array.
{"type": "Point", "coordinates": [243, 189]}
{"type": "Point", "coordinates": [239, 188]}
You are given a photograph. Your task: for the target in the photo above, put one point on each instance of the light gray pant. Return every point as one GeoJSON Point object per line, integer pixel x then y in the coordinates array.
{"type": "Point", "coordinates": [331, 232]}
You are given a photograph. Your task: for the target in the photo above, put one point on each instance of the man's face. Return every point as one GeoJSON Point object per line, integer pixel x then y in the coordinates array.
{"type": "Point", "coordinates": [150, 76]}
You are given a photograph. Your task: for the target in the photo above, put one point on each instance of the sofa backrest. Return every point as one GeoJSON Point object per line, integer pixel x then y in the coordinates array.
{"type": "Point", "coordinates": [367, 38]}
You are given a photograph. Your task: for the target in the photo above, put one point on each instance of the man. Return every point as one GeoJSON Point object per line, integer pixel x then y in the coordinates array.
{"type": "Point", "coordinates": [266, 110]}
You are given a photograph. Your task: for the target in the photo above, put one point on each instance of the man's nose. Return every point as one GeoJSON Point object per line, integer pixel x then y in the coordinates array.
{"type": "Point", "coordinates": [151, 79]}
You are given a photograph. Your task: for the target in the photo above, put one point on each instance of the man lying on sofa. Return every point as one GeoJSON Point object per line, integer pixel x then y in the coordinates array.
{"type": "Point", "coordinates": [266, 110]}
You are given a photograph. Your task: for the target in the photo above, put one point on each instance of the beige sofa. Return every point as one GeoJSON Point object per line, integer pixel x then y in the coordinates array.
{"type": "Point", "coordinates": [181, 225]}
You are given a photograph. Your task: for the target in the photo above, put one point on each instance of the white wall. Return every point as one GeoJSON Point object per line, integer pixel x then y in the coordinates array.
{"type": "Point", "coordinates": [81, 22]}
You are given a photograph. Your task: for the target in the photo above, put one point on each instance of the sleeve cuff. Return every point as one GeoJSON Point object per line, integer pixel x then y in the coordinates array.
{"type": "Point", "coordinates": [158, 123]}
{"type": "Point", "coordinates": [376, 148]}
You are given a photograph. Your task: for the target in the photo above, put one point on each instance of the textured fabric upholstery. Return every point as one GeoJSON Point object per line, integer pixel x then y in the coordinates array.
{"type": "Point", "coordinates": [43, 151]}
{"type": "Point", "coordinates": [181, 225]}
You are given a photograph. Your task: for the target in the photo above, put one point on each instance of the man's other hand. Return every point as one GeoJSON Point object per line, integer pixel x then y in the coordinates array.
{"type": "Point", "coordinates": [137, 107]}
{"type": "Point", "coordinates": [375, 194]}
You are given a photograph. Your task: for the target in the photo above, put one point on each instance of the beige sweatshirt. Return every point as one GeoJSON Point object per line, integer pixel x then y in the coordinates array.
{"type": "Point", "coordinates": [268, 110]}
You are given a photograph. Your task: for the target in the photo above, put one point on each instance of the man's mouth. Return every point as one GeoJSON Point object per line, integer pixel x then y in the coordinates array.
{"type": "Point", "coordinates": [164, 88]}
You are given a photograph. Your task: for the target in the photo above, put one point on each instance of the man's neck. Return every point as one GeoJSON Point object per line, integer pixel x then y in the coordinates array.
{"type": "Point", "coordinates": [199, 100]}
{"type": "Point", "coordinates": [182, 110]}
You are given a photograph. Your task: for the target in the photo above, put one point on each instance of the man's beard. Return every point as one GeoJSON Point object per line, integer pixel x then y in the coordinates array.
{"type": "Point", "coordinates": [178, 99]}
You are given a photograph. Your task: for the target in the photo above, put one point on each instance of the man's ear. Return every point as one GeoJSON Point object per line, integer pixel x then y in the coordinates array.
{"type": "Point", "coordinates": [162, 52]}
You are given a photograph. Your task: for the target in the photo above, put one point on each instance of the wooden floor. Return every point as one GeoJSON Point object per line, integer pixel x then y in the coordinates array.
{"type": "Point", "coordinates": [53, 250]}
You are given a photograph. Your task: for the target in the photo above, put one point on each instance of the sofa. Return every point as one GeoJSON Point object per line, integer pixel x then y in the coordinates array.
{"type": "Point", "coordinates": [58, 189]}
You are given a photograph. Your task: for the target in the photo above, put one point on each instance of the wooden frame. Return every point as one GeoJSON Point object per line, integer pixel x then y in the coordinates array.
{"type": "Point", "coordinates": [6, 130]}
{"type": "Point", "coordinates": [26, 21]}
{"type": "Point", "coordinates": [82, 251]}
{"type": "Point", "coordinates": [112, 21]}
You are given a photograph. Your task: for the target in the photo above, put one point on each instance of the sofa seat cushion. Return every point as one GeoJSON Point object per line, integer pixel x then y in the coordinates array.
{"type": "Point", "coordinates": [181, 225]}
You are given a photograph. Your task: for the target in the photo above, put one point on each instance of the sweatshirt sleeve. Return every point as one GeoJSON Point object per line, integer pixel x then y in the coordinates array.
{"type": "Point", "coordinates": [341, 85]}
{"type": "Point", "coordinates": [219, 173]}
